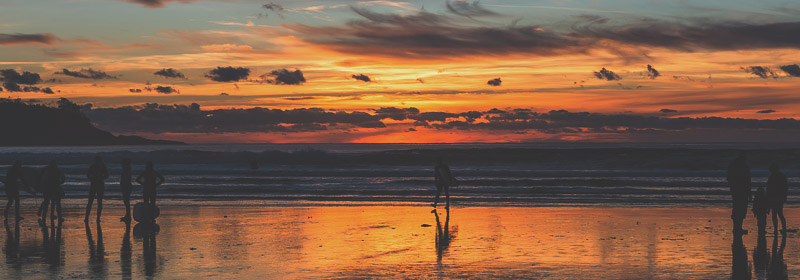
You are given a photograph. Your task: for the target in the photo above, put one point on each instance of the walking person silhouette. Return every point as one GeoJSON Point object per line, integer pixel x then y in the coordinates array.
{"type": "Point", "coordinates": [13, 182]}
{"type": "Point", "coordinates": [51, 181]}
{"type": "Point", "coordinates": [97, 175]}
{"type": "Point", "coordinates": [444, 179]}
{"type": "Point", "coordinates": [777, 192]}
{"type": "Point", "coordinates": [739, 182]}
{"type": "Point", "coordinates": [126, 188]}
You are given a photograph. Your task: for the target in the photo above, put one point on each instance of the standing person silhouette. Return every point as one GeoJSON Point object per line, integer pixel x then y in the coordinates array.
{"type": "Point", "coordinates": [739, 182]}
{"type": "Point", "coordinates": [97, 175]}
{"type": "Point", "coordinates": [761, 208]}
{"type": "Point", "coordinates": [444, 179]}
{"type": "Point", "coordinates": [150, 179]}
{"type": "Point", "coordinates": [51, 181]}
{"type": "Point", "coordinates": [777, 191]}
{"type": "Point", "coordinates": [126, 187]}
{"type": "Point", "coordinates": [13, 181]}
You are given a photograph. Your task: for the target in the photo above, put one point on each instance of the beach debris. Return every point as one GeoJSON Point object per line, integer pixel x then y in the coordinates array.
{"type": "Point", "coordinates": [425, 225]}
{"type": "Point", "coordinates": [193, 248]}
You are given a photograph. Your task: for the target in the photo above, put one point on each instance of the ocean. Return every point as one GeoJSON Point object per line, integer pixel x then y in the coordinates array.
{"type": "Point", "coordinates": [532, 174]}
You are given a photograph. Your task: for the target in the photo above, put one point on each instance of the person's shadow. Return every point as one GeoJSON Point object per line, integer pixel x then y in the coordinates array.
{"type": "Point", "coordinates": [12, 245]}
{"type": "Point", "coordinates": [147, 231]}
{"type": "Point", "coordinates": [777, 268]}
{"type": "Point", "coordinates": [761, 256]}
{"type": "Point", "coordinates": [125, 252]}
{"type": "Point", "coordinates": [443, 235]}
{"type": "Point", "coordinates": [54, 256]}
{"type": "Point", "coordinates": [97, 261]}
{"type": "Point", "coordinates": [149, 251]}
{"type": "Point", "coordinates": [740, 264]}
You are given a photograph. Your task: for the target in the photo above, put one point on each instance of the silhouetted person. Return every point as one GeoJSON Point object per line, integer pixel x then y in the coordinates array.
{"type": "Point", "coordinates": [761, 208]}
{"type": "Point", "coordinates": [126, 188]}
{"type": "Point", "coordinates": [97, 175]}
{"type": "Point", "coordinates": [150, 179]}
{"type": "Point", "coordinates": [739, 182]}
{"type": "Point", "coordinates": [13, 182]}
{"type": "Point", "coordinates": [761, 256]}
{"type": "Point", "coordinates": [740, 265]}
{"type": "Point", "coordinates": [51, 181]}
{"type": "Point", "coordinates": [444, 179]}
{"type": "Point", "coordinates": [254, 164]}
{"type": "Point", "coordinates": [777, 267]}
{"type": "Point", "coordinates": [777, 191]}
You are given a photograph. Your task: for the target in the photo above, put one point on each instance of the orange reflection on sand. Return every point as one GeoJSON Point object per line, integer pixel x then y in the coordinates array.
{"type": "Point", "coordinates": [396, 242]}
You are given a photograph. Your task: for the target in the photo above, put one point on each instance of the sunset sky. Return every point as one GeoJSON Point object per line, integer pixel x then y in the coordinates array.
{"type": "Point", "coordinates": [413, 71]}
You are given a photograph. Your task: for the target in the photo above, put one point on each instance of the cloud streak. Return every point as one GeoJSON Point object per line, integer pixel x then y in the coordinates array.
{"type": "Point", "coordinates": [425, 34]}
{"type": "Point", "coordinates": [86, 73]}
{"type": "Point", "coordinates": [20, 39]}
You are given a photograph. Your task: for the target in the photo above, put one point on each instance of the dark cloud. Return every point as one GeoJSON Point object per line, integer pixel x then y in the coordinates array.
{"type": "Point", "coordinates": [19, 38]}
{"type": "Point", "coordinates": [285, 77]}
{"type": "Point", "coordinates": [156, 3]}
{"type": "Point", "coordinates": [300, 98]}
{"type": "Point", "coordinates": [668, 111]}
{"type": "Point", "coordinates": [86, 73]}
{"type": "Point", "coordinates": [760, 71]}
{"type": "Point", "coordinates": [561, 121]}
{"type": "Point", "coordinates": [651, 72]}
{"type": "Point", "coordinates": [45, 90]}
{"type": "Point", "coordinates": [135, 90]}
{"type": "Point", "coordinates": [228, 74]}
{"type": "Point", "coordinates": [12, 79]}
{"type": "Point", "coordinates": [276, 8]}
{"type": "Point", "coordinates": [468, 9]}
{"type": "Point", "coordinates": [155, 118]}
{"type": "Point", "coordinates": [494, 82]}
{"type": "Point", "coordinates": [169, 73]}
{"type": "Point", "coordinates": [166, 89]}
{"type": "Point", "coordinates": [768, 111]}
{"type": "Point", "coordinates": [793, 70]}
{"type": "Point", "coordinates": [362, 77]}
{"type": "Point", "coordinates": [433, 116]}
{"type": "Point", "coordinates": [695, 34]}
{"type": "Point", "coordinates": [397, 114]}
{"type": "Point", "coordinates": [606, 74]}
{"type": "Point", "coordinates": [428, 35]}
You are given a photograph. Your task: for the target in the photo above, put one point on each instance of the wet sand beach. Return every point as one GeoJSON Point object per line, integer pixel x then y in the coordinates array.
{"type": "Point", "coordinates": [229, 242]}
